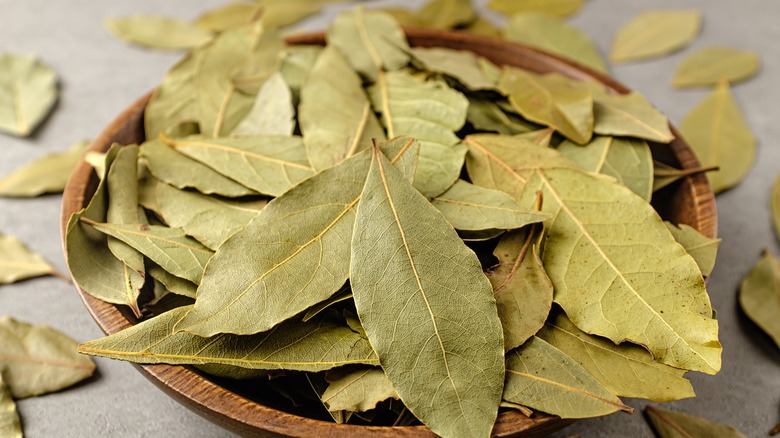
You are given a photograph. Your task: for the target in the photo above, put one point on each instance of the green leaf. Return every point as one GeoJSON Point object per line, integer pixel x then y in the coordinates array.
{"type": "Point", "coordinates": [173, 102]}
{"type": "Point", "coordinates": [654, 33]}
{"type": "Point", "coordinates": [461, 65]}
{"type": "Point", "coordinates": [47, 174]}
{"type": "Point", "coordinates": [627, 160]}
{"type": "Point", "coordinates": [431, 112]}
{"type": "Point", "coordinates": [248, 287]}
{"type": "Point", "coordinates": [122, 186]}
{"type": "Point", "coordinates": [272, 112]}
{"type": "Point", "coordinates": [718, 133]}
{"type": "Point", "coordinates": [629, 115]}
{"type": "Point", "coordinates": [10, 427]}
{"type": "Point", "coordinates": [229, 16]}
{"type": "Point", "coordinates": [268, 164]}
{"type": "Point", "coordinates": [522, 289]}
{"type": "Point", "coordinates": [412, 275]}
{"type": "Point", "coordinates": [555, 36]}
{"type": "Point", "coordinates": [158, 32]}
{"type": "Point", "coordinates": [372, 41]}
{"type": "Point", "coordinates": [665, 175]}
{"type": "Point", "coordinates": [541, 377]}
{"type": "Point", "coordinates": [172, 283]}
{"type": "Point", "coordinates": [469, 207]}
{"type": "Point", "coordinates": [759, 295]}
{"type": "Point", "coordinates": [486, 115]}
{"type": "Point", "coordinates": [296, 65]}
{"type": "Point", "coordinates": [282, 13]}
{"type": "Point", "coordinates": [36, 360]}
{"type": "Point", "coordinates": [446, 14]}
{"type": "Point", "coordinates": [331, 136]}
{"type": "Point", "coordinates": [555, 8]}
{"type": "Point", "coordinates": [28, 91]}
{"type": "Point", "coordinates": [551, 100]}
{"type": "Point", "coordinates": [17, 262]}
{"type": "Point", "coordinates": [505, 163]}
{"type": "Point", "coordinates": [317, 345]}
{"type": "Point", "coordinates": [357, 390]}
{"type": "Point", "coordinates": [709, 66]}
{"type": "Point", "coordinates": [180, 171]}
{"type": "Point", "coordinates": [626, 370]}
{"type": "Point", "coordinates": [631, 281]}
{"type": "Point", "coordinates": [700, 247]}
{"type": "Point", "coordinates": [671, 424]}
{"type": "Point", "coordinates": [170, 248]}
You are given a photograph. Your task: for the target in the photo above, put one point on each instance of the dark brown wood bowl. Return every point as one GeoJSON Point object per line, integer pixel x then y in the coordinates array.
{"type": "Point", "coordinates": [689, 201]}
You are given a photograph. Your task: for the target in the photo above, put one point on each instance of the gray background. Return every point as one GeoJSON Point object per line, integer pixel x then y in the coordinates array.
{"type": "Point", "coordinates": [101, 75]}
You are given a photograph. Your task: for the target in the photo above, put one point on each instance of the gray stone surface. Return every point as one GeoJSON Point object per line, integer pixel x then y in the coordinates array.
{"type": "Point", "coordinates": [101, 75]}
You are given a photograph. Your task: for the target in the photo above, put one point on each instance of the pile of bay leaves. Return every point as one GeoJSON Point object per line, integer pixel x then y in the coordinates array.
{"type": "Point", "coordinates": [385, 229]}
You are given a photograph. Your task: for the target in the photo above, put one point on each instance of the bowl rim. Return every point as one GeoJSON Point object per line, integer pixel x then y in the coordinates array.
{"type": "Point", "coordinates": [247, 417]}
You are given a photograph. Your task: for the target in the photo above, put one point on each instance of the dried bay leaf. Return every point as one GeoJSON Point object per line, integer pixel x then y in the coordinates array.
{"type": "Point", "coordinates": [541, 137]}
{"type": "Point", "coordinates": [122, 186]}
{"type": "Point", "coordinates": [775, 205]}
{"type": "Point", "coordinates": [296, 65]}
{"type": "Point", "coordinates": [172, 283]}
{"type": "Point", "coordinates": [541, 377]}
{"type": "Point", "coordinates": [759, 295]}
{"type": "Point", "coordinates": [486, 115]}
{"type": "Point", "coordinates": [17, 262]}
{"type": "Point", "coordinates": [331, 136]}
{"type": "Point", "coordinates": [555, 8]}
{"type": "Point", "coordinates": [36, 359]}
{"type": "Point", "coordinates": [372, 41]}
{"type": "Point", "coordinates": [712, 65]}
{"type": "Point", "coordinates": [626, 370]}
{"type": "Point", "coordinates": [282, 13]}
{"type": "Point", "coordinates": [268, 164]}
{"type": "Point", "coordinates": [170, 248]}
{"type": "Point", "coordinates": [627, 160]}
{"type": "Point", "coordinates": [671, 424]}
{"type": "Point", "coordinates": [654, 33]}
{"type": "Point", "coordinates": [446, 14]}
{"type": "Point", "coordinates": [629, 115]}
{"type": "Point", "coordinates": [449, 369]}
{"type": "Point", "coordinates": [555, 36]}
{"type": "Point", "coordinates": [10, 426]}
{"type": "Point", "coordinates": [473, 208]}
{"type": "Point", "coordinates": [28, 91]}
{"type": "Point", "coordinates": [718, 133]}
{"type": "Point", "coordinates": [356, 390]}
{"type": "Point", "coordinates": [343, 295]}
{"type": "Point", "coordinates": [700, 247]}
{"type": "Point", "coordinates": [228, 16]}
{"type": "Point", "coordinates": [665, 175]}
{"type": "Point", "coordinates": [272, 112]}
{"type": "Point", "coordinates": [47, 174]}
{"type": "Point", "coordinates": [482, 26]}
{"type": "Point", "coordinates": [632, 281]}
{"type": "Point", "coordinates": [318, 345]}
{"type": "Point", "coordinates": [462, 65]}
{"type": "Point", "coordinates": [551, 100]}
{"type": "Point", "coordinates": [158, 32]}
{"type": "Point", "coordinates": [173, 102]}
{"type": "Point", "coordinates": [305, 231]}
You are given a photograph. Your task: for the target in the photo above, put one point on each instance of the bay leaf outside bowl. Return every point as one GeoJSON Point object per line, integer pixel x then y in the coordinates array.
{"type": "Point", "coordinates": [690, 202]}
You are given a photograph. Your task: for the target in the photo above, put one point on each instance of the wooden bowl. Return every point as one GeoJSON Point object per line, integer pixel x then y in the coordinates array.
{"type": "Point", "coordinates": [690, 201]}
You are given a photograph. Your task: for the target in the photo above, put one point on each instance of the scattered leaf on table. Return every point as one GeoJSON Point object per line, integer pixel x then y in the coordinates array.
{"type": "Point", "coordinates": [372, 41]}
{"type": "Point", "coordinates": [36, 359]}
{"type": "Point", "coordinates": [759, 295]}
{"type": "Point", "coordinates": [627, 160]}
{"type": "Point", "coordinates": [28, 91]}
{"type": "Point", "coordinates": [462, 65]}
{"type": "Point", "coordinates": [446, 14]}
{"type": "Point", "coordinates": [551, 100]}
{"type": "Point", "coordinates": [431, 112]}
{"type": "Point", "coordinates": [555, 36]}
{"type": "Point", "coordinates": [357, 390]}
{"type": "Point", "coordinates": [17, 262]}
{"type": "Point", "coordinates": [700, 247]}
{"type": "Point", "coordinates": [332, 135]}
{"type": "Point", "coordinates": [317, 345]}
{"type": "Point", "coordinates": [269, 164]}
{"type": "Point", "coordinates": [775, 205]}
{"type": "Point", "coordinates": [629, 115]}
{"type": "Point", "coordinates": [543, 378]}
{"type": "Point", "coordinates": [486, 115]}
{"type": "Point", "coordinates": [714, 64]}
{"type": "Point", "coordinates": [472, 208]}
{"type": "Point", "coordinates": [10, 427]}
{"type": "Point", "coordinates": [47, 174]}
{"type": "Point", "coordinates": [718, 133]}
{"type": "Point", "coordinates": [170, 248]}
{"type": "Point", "coordinates": [521, 286]}
{"type": "Point", "coordinates": [555, 8]}
{"type": "Point", "coordinates": [627, 370]}
{"type": "Point", "coordinates": [158, 32]}
{"type": "Point", "coordinates": [672, 424]}
{"type": "Point", "coordinates": [228, 16]}
{"type": "Point", "coordinates": [272, 112]}
{"type": "Point", "coordinates": [449, 368]}
{"type": "Point", "coordinates": [632, 280]}
{"type": "Point", "coordinates": [655, 33]}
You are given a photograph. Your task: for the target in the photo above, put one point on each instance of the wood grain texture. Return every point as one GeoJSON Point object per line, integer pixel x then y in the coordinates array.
{"type": "Point", "coordinates": [690, 201]}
